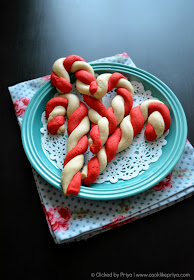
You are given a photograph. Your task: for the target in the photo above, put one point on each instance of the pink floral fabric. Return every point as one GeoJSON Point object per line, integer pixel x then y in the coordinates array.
{"type": "Point", "coordinates": [58, 217]}
{"type": "Point", "coordinates": [46, 78]}
{"type": "Point", "coordinates": [125, 54]}
{"type": "Point", "coordinates": [20, 105]}
{"type": "Point", "coordinates": [115, 223]}
{"type": "Point", "coordinates": [164, 184]}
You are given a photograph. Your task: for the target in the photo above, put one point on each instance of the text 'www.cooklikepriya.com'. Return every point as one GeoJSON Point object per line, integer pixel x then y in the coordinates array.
{"type": "Point", "coordinates": [127, 275]}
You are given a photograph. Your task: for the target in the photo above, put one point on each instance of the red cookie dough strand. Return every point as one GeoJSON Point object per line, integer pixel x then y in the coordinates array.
{"type": "Point", "coordinates": [128, 99]}
{"type": "Point", "coordinates": [109, 114]}
{"type": "Point", "coordinates": [93, 171]}
{"type": "Point", "coordinates": [67, 63]}
{"type": "Point", "coordinates": [95, 135]}
{"type": "Point", "coordinates": [61, 83]}
{"type": "Point", "coordinates": [112, 144]}
{"type": "Point", "coordinates": [93, 87]}
{"type": "Point", "coordinates": [74, 186]}
{"type": "Point", "coordinates": [85, 77]}
{"type": "Point", "coordinates": [55, 101]}
{"type": "Point", "coordinates": [164, 111]}
{"type": "Point", "coordinates": [76, 117]}
{"type": "Point", "coordinates": [95, 104]}
{"type": "Point", "coordinates": [150, 132]}
{"type": "Point", "coordinates": [79, 149]}
{"type": "Point", "coordinates": [92, 125]}
{"type": "Point", "coordinates": [115, 77]}
{"type": "Point", "coordinates": [55, 123]}
{"type": "Point", "coordinates": [88, 79]}
{"type": "Point", "coordinates": [137, 120]}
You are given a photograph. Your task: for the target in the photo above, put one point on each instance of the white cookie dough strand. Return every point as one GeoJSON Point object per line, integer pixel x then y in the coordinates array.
{"type": "Point", "coordinates": [73, 103]}
{"type": "Point", "coordinates": [84, 172]}
{"type": "Point", "coordinates": [94, 116]}
{"type": "Point", "coordinates": [57, 111]}
{"type": "Point", "coordinates": [81, 65]}
{"type": "Point", "coordinates": [145, 105]}
{"type": "Point", "coordinates": [123, 83]}
{"type": "Point", "coordinates": [81, 130]}
{"type": "Point", "coordinates": [70, 169]}
{"type": "Point", "coordinates": [59, 69]}
{"type": "Point", "coordinates": [61, 129]}
{"type": "Point", "coordinates": [83, 88]}
{"type": "Point", "coordinates": [118, 105]}
{"type": "Point", "coordinates": [102, 158]}
{"type": "Point", "coordinates": [103, 126]}
{"type": "Point", "coordinates": [102, 82]}
{"type": "Point", "coordinates": [126, 134]}
{"type": "Point", "coordinates": [157, 121]}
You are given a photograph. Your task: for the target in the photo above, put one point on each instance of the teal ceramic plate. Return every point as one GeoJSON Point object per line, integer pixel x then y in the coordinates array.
{"type": "Point", "coordinates": [31, 138]}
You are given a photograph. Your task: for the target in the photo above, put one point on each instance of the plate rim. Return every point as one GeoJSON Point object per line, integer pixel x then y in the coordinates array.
{"type": "Point", "coordinates": [87, 192]}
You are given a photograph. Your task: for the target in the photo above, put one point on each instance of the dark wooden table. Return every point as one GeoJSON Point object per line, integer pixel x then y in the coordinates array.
{"type": "Point", "coordinates": [158, 35]}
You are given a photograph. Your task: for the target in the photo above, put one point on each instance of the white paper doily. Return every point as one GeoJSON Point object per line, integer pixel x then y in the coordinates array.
{"type": "Point", "coordinates": [126, 164]}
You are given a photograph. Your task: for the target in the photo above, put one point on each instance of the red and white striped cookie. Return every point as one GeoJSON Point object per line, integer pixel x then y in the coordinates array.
{"type": "Point", "coordinates": [123, 135]}
{"type": "Point", "coordinates": [77, 143]}
{"type": "Point", "coordinates": [108, 119]}
{"type": "Point", "coordinates": [159, 118]}
{"type": "Point", "coordinates": [63, 66]}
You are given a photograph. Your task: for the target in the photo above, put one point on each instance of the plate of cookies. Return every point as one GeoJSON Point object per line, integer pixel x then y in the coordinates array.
{"type": "Point", "coordinates": [103, 130]}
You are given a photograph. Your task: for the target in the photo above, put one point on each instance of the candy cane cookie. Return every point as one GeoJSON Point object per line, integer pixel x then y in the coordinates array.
{"type": "Point", "coordinates": [63, 66]}
{"type": "Point", "coordinates": [78, 126]}
{"type": "Point", "coordinates": [158, 123]}
{"type": "Point", "coordinates": [108, 119]}
{"type": "Point", "coordinates": [159, 118]}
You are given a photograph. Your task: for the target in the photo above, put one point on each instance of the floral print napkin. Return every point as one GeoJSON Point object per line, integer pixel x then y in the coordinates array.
{"type": "Point", "coordinates": [70, 218]}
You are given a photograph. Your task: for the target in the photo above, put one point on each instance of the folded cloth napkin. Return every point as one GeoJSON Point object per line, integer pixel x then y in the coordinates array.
{"type": "Point", "coordinates": [71, 218]}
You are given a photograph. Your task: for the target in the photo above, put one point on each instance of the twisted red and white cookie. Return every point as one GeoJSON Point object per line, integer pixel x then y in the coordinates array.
{"type": "Point", "coordinates": [108, 119]}
{"type": "Point", "coordinates": [158, 123]}
{"type": "Point", "coordinates": [77, 143]}
{"type": "Point", "coordinates": [63, 66]}
{"type": "Point", "coordinates": [159, 118]}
